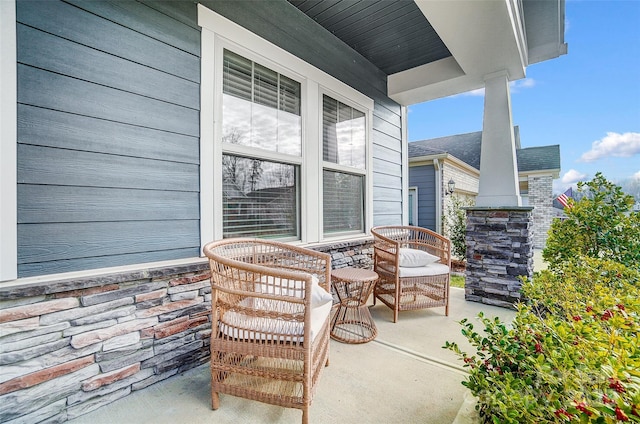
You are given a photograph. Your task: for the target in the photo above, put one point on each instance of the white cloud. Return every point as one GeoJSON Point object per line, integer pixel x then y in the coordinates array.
{"type": "Point", "coordinates": [613, 145]}
{"type": "Point", "coordinates": [572, 176]}
{"type": "Point", "coordinates": [636, 176]}
{"type": "Point", "coordinates": [516, 86]}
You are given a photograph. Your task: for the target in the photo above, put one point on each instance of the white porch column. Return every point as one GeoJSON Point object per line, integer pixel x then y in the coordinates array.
{"type": "Point", "coordinates": [498, 167]}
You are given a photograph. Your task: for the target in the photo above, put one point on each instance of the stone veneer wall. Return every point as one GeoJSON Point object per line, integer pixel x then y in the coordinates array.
{"type": "Point", "coordinates": [71, 346]}
{"type": "Point", "coordinates": [499, 250]}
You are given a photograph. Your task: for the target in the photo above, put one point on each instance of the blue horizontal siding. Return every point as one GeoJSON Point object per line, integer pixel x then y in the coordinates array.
{"type": "Point", "coordinates": [109, 124]}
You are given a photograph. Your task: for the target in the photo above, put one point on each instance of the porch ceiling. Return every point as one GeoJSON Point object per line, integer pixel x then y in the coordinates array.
{"type": "Point", "coordinates": [393, 35]}
{"type": "Point", "coordinates": [431, 49]}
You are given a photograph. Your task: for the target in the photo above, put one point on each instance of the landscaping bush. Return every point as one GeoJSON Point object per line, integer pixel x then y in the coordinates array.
{"type": "Point", "coordinates": [456, 226]}
{"type": "Point", "coordinates": [600, 225]}
{"type": "Point", "coordinates": [572, 353]}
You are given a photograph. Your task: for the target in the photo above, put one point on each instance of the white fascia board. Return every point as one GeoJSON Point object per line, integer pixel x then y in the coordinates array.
{"type": "Point", "coordinates": [463, 166]}
{"type": "Point", "coordinates": [554, 173]}
{"type": "Point", "coordinates": [484, 37]}
{"type": "Point", "coordinates": [548, 51]}
{"type": "Point", "coordinates": [427, 159]}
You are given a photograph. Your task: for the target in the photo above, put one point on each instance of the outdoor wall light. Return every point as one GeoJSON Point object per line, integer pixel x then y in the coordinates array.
{"type": "Point", "coordinates": [451, 186]}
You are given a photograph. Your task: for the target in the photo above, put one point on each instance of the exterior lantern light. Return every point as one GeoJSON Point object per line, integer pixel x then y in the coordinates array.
{"type": "Point", "coordinates": [451, 186]}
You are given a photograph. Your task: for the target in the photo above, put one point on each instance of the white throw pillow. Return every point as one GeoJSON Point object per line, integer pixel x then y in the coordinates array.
{"type": "Point", "coordinates": [414, 258]}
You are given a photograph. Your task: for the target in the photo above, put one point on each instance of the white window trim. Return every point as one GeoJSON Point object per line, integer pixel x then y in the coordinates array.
{"type": "Point", "coordinates": [8, 143]}
{"type": "Point", "coordinates": [217, 33]}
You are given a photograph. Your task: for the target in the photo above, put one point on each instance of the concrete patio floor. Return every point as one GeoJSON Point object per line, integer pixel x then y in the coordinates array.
{"type": "Point", "coordinates": [403, 376]}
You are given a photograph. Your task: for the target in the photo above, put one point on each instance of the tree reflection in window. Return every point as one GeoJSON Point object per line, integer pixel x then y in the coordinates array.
{"type": "Point", "coordinates": [259, 198]}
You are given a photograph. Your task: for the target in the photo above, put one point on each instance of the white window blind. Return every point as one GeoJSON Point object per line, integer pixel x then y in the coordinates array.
{"type": "Point", "coordinates": [261, 108]}
{"type": "Point", "coordinates": [343, 202]}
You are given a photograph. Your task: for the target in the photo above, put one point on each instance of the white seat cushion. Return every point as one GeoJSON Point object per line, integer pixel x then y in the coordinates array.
{"type": "Point", "coordinates": [238, 325]}
{"type": "Point", "coordinates": [433, 269]}
{"type": "Point", "coordinates": [415, 258]}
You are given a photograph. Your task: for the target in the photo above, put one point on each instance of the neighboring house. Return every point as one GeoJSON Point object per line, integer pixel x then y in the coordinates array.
{"type": "Point", "coordinates": [134, 132]}
{"type": "Point", "coordinates": [433, 163]}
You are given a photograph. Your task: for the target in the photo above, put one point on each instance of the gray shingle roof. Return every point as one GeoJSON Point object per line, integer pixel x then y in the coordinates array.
{"type": "Point", "coordinates": [467, 148]}
{"type": "Point", "coordinates": [537, 158]}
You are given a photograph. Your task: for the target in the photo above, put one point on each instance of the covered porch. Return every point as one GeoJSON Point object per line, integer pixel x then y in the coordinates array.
{"type": "Point", "coordinates": [403, 376]}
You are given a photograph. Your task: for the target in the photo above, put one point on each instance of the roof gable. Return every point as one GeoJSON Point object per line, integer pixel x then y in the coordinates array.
{"type": "Point", "coordinates": [465, 147]}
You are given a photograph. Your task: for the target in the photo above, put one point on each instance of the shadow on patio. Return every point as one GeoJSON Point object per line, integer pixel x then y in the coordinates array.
{"type": "Point", "coordinates": [403, 376]}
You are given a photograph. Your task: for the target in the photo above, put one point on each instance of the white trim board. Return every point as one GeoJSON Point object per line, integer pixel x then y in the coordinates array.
{"type": "Point", "coordinates": [8, 143]}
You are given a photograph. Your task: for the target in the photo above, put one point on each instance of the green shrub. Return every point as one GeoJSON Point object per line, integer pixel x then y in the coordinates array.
{"type": "Point", "coordinates": [572, 353]}
{"type": "Point", "coordinates": [600, 225]}
{"type": "Point", "coordinates": [456, 226]}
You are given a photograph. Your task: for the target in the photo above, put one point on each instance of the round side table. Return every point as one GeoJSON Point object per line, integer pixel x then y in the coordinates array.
{"type": "Point", "coordinates": [352, 321]}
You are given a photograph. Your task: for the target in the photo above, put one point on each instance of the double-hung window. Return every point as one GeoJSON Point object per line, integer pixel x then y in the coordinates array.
{"type": "Point", "coordinates": [344, 169]}
{"type": "Point", "coordinates": [261, 111]}
{"type": "Point", "coordinates": [285, 147]}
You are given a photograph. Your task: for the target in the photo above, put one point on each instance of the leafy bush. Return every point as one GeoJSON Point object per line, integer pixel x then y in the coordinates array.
{"type": "Point", "coordinates": [600, 225]}
{"type": "Point", "coordinates": [572, 353]}
{"type": "Point", "coordinates": [456, 226]}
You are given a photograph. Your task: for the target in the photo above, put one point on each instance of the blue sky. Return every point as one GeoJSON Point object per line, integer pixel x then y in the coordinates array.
{"type": "Point", "coordinates": [587, 101]}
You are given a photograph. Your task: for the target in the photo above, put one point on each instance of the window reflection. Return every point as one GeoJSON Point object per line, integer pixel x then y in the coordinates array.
{"type": "Point", "coordinates": [343, 133]}
{"type": "Point", "coordinates": [261, 108]}
{"type": "Point", "coordinates": [260, 198]}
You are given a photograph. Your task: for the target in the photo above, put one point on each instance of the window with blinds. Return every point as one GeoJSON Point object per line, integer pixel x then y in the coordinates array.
{"type": "Point", "coordinates": [343, 144]}
{"type": "Point", "coordinates": [260, 198]}
{"type": "Point", "coordinates": [261, 108]}
{"type": "Point", "coordinates": [343, 133]}
{"type": "Point", "coordinates": [343, 196]}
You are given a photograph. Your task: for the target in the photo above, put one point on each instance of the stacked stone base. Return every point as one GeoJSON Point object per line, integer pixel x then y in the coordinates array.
{"type": "Point", "coordinates": [499, 252]}
{"type": "Point", "coordinates": [68, 347]}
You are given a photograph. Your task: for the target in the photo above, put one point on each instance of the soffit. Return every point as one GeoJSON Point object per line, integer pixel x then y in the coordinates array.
{"type": "Point", "coordinates": [430, 49]}
{"type": "Point", "coordinates": [393, 35]}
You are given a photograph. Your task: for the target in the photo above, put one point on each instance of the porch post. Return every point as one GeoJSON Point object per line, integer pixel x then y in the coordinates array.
{"type": "Point", "coordinates": [498, 236]}
{"type": "Point", "coordinates": [498, 166]}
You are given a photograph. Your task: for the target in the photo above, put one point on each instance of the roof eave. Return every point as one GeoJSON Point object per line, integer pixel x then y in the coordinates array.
{"type": "Point", "coordinates": [484, 37]}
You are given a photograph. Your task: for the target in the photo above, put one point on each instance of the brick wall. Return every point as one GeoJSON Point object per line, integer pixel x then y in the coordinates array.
{"type": "Point", "coordinates": [71, 346]}
{"type": "Point", "coordinates": [541, 199]}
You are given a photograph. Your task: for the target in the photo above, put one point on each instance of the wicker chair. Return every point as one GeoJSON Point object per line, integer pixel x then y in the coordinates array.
{"type": "Point", "coordinates": [414, 266]}
{"type": "Point", "coordinates": [270, 320]}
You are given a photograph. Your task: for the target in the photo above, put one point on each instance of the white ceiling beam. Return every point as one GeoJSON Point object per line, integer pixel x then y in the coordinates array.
{"type": "Point", "coordinates": [483, 36]}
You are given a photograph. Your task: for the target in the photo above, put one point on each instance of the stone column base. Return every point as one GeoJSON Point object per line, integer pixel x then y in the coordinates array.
{"type": "Point", "coordinates": [499, 251]}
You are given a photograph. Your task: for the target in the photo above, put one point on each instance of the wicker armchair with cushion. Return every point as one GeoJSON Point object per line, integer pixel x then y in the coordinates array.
{"type": "Point", "coordinates": [414, 265]}
{"type": "Point", "coordinates": [270, 320]}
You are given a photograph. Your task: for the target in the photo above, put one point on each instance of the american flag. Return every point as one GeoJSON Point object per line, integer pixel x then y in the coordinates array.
{"type": "Point", "coordinates": [564, 197]}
